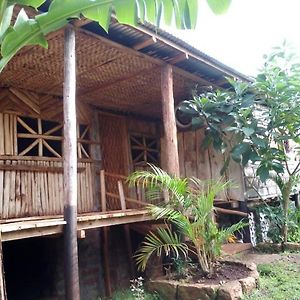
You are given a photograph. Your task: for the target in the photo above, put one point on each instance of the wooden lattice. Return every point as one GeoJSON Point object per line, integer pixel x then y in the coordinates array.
{"type": "Point", "coordinates": [144, 149]}
{"type": "Point", "coordinates": [37, 137]}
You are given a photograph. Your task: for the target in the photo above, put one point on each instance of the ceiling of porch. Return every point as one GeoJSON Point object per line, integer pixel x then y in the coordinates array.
{"type": "Point", "coordinates": [109, 75]}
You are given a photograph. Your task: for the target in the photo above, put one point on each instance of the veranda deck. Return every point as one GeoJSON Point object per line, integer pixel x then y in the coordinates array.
{"type": "Point", "coordinates": [15, 229]}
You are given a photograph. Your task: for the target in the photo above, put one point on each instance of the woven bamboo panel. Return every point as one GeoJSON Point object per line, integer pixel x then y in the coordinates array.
{"type": "Point", "coordinates": [107, 76]}
{"type": "Point", "coordinates": [114, 143]}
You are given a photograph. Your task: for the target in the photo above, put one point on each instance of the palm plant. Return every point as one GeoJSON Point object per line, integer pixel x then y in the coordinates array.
{"type": "Point", "coordinates": [191, 212]}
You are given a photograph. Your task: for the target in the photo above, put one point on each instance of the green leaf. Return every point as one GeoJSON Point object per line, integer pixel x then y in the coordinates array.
{"type": "Point", "coordinates": [248, 131]}
{"type": "Point", "coordinates": [240, 148]}
{"type": "Point", "coordinates": [25, 32]}
{"type": "Point", "coordinates": [258, 141]}
{"type": "Point", "coordinates": [248, 100]}
{"type": "Point", "coordinates": [219, 6]}
{"type": "Point", "coordinates": [32, 31]}
{"type": "Point", "coordinates": [277, 167]}
{"type": "Point", "coordinates": [32, 3]}
{"type": "Point", "coordinates": [126, 11]}
{"type": "Point", "coordinates": [263, 173]}
{"type": "Point", "coordinates": [168, 11]}
{"type": "Point", "coordinates": [197, 123]}
{"type": "Point", "coordinates": [193, 12]}
{"type": "Point", "coordinates": [100, 14]}
{"type": "Point", "coordinates": [151, 10]}
{"type": "Point", "coordinates": [6, 21]}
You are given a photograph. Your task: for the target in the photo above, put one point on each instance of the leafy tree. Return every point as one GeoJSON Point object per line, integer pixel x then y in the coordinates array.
{"type": "Point", "coordinates": [190, 209]}
{"type": "Point", "coordinates": [257, 122]}
{"type": "Point", "coordinates": [32, 31]}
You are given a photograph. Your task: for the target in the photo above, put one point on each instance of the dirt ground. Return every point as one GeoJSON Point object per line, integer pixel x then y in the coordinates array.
{"type": "Point", "coordinates": [264, 258]}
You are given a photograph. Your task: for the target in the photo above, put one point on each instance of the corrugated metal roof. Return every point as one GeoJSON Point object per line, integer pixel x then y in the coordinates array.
{"type": "Point", "coordinates": [168, 46]}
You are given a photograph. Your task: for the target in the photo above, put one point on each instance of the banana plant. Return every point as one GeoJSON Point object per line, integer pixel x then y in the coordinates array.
{"type": "Point", "coordinates": [32, 31]}
{"type": "Point", "coordinates": [190, 209]}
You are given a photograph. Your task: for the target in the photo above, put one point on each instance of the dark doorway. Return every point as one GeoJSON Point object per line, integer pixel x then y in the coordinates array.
{"type": "Point", "coordinates": [30, 268]}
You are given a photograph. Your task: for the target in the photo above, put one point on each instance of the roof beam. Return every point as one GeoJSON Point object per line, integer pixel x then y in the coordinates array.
{"type": "Point", "coordinates": [178, 58]}
{"type": "Point", "coordinates": [148, 42]}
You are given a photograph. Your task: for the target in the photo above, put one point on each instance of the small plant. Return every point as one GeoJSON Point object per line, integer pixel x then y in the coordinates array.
{"type": "Point", "coordinates": [275, 215]}
{"type": "Point", "coordinates": [137, 288]}
{"type": "Point", "coordinates": [182, 266]}
{"type": "Point", "coordinates": [190, 210]}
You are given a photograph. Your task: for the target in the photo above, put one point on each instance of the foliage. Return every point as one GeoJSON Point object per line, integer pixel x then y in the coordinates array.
{"type": "Point", "coordinates": [190, 211]}
{"type": "Point", "coordinates": [129, 295]}
{"type": "Point", "coordinates": [256, 122]}
{"type": "Point", "coordinates": [278, 281]}
{"type": "Point", "coordinates": [137, 288]}
{"type": "Point", "coordinates": [275, 215]}
{"type": "Point", "coordinates": [182, 266]}
{"type": "Point", "coordinates": [32, 31]}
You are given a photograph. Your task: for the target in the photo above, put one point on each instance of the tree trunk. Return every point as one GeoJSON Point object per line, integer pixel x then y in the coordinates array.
{"type": "Point", "coordinates": [286, 199]}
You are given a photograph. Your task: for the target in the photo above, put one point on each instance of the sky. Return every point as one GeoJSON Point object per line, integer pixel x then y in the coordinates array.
{"type": "Point", "coordinates": [247, 31]}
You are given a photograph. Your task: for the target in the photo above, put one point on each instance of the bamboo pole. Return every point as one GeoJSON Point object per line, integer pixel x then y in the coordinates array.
{"type": "Point", "coordinates": [169, 123]}
{"type": "Point", "coordinates": [70, 168]}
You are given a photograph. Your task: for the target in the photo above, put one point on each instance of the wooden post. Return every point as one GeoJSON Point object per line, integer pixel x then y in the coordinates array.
{"type": "Point", "coordinates": [107, 280]}
{"type": "Point", "coordinates": [70, 168]}
{"type": "Point", "coordinates": [170, 148]}
{"type": "Point", "coordinates": [2, 276]}
{"type": "Point", "coordinates": [126, 228]}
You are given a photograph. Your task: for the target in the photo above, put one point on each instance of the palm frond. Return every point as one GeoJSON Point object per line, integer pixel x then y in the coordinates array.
{"type": "Point", "coordinates": [225, 233]}
{"type": "Point", "coordinates": [174, 216]}
{"type": "Point", "coordinates": [164, 240]}
{"type": "Point", "coordinates": [158, 179]}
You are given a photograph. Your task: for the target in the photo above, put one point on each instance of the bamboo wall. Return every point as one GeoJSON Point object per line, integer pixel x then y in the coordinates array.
{"type": "Point", "coordinates": [33, 185]}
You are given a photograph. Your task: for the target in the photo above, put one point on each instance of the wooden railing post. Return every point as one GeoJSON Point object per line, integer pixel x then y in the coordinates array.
{"type": "Point", "coordinates": [170, 149]}
{"type": "Point", "coordinates": [70, 168]}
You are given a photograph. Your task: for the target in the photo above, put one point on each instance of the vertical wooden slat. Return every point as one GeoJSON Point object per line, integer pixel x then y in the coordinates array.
{"type": "Point", "coordinates": [1, 187]}
{"type": "Point", "coordinates": [12, 193]}
{"type": "Point", "coordinates": [169, 123]}
{"type": "Point", "coordinates": [103, 190]}
{"type": "Point", "coordinates": [15, 138]}
{"type": "Point", "coordinates": [40, 131]}
{"type": "Point", "coordinates": [6, 135]}
{"type": "Point", "coordinates": [96, 155]}
{"type": "Point", "coordinates": [18, 194]}
{"type": "Point", "coordinates": [6, 190]}
{"type": "Point", "coordinates": [181, 153]}
{"type": "Point", "coordinates": [11, 125]}
{"type": "Point", "coordinates": [121, 195]}
{"type": "Point", "coordinates": [2, 137]}
{"type": "Point", "coordinates": [70, 168]}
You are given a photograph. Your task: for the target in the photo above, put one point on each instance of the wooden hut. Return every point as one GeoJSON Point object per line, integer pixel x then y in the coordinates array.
{"type": "Point", "coordinates": [128, 83]}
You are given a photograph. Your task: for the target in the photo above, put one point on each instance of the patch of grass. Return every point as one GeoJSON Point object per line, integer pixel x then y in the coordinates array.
{"type": "Point", "coordinates": [128, 295]}
{"type": "Point", "coordinates": [278, 281]}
